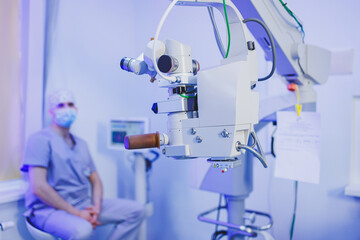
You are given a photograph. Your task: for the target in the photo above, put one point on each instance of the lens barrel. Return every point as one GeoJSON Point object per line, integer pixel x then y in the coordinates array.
{"type": "Point", "coordinates": [125, 64]}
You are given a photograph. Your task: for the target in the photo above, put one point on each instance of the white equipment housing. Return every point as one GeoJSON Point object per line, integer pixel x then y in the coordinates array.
{"type": "Point", "coordinates": [227, 106]}
{"type": "Point", "coordinates": [228, 109]}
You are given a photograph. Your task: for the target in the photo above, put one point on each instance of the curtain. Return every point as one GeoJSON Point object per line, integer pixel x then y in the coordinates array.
{"type": "Point", "coordinates": [11, 104]}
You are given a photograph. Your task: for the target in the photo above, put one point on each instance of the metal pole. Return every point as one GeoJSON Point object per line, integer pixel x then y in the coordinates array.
{"type": "Point", "coordinates": [140, 188]}
{"type": "Point", "coordinates": [236, 211]}
{"type": "Point", "coordinates": [236, 204]}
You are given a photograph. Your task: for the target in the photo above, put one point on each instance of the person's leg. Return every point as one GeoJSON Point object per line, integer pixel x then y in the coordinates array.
{"type": "Point", "coordinates": [62, 224]}
{"type": "Point", "coordinates": [127, 216]}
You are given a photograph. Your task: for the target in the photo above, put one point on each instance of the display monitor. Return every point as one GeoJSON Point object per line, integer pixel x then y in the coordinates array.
{"type": "Point", "coordinates": [119, 128]}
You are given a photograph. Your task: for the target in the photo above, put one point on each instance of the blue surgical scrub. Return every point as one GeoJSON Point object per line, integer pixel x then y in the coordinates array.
{"type": "Point", "coordinates": [68, 169]}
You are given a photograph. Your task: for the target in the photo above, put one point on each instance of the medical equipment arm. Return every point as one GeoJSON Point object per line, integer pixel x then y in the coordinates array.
{"type": "Point", "coordinates": [297, 62]}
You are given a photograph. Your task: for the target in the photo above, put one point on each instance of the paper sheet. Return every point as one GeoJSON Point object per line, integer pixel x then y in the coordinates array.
{"type": "Point", "coordinates": [298, 146]}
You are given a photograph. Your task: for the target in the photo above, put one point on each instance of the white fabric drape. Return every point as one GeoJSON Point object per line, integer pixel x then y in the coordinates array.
{"type": "Point", "coordinates": [11, 112]}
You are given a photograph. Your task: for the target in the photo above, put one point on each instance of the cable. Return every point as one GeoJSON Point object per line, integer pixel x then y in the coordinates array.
{"type": "Point", "coordinates": [273, 142]}
{"type": "Point", "coordinates": [184, 96]}
{"type": "Point", "coordinates": [221, 236]}
{"type": "Point", "coordinates": [294, 213]}
{"type": "Point", "coordinates": [228, 30]}
{"type": "Point", "coordinates": [253, 144]}
{"type": "Point", "coordinates": [291, 23]}
{"type": "Point", "coordinates": [260, 155]}
{"type": "Point", "coordinates": [216, 32]}
{"type": "Point", "coordinates": [272, 146]}
{"type": "Point", "coordinates": [297, 24]}
{"type": "Point", "coordinates": [255, 153]}
{"type": "Point", "coordinates": [272, 46]}
{"type": "Point", "coordinates": [294, 16]}
{"type": "Point", "coordinates": [218, 234]}
{"type": "Point", "coordinates": [253, 134]}
{"type": "Point", "coordinates": [171, 79]}
{"type": "Point", "coordinates": [193, 91]}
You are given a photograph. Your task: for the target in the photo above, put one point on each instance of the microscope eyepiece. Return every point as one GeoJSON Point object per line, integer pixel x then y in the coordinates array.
{"type": "Point", "coordinates": [134, 65]}
{"type": "Point", "coordinates": [125, 64]}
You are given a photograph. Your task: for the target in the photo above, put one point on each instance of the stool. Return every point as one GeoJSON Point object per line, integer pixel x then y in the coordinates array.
{"type": "Point", "coordinates": [36, 233]}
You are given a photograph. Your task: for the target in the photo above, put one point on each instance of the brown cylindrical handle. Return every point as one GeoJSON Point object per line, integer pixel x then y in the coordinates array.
{"type": "Point", "coordinates": [142, 141]}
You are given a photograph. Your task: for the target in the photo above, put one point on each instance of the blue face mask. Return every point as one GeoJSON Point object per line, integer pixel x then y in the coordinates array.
{"type": "Point", "coordinates": [64, 117]}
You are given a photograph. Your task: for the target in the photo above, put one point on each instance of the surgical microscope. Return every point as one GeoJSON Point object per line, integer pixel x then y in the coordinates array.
{"type": "Point", "coordinates": [214, 113]}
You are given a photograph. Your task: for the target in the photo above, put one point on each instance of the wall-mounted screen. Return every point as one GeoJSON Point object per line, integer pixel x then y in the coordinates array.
{"type": "Point", "coordinates": [119, 128]}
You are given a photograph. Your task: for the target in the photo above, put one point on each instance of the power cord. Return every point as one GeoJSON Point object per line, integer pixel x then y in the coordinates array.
{"type": "Point", "coordinates": [267, 30]}
{"type": "Point", "coordinates": [294, 213]}
{"type": "Point", "coordinates": [218, 234]}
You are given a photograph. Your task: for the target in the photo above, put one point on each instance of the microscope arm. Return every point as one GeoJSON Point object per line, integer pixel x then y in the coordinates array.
{"type": "Point", "coordinates": [298, 62]}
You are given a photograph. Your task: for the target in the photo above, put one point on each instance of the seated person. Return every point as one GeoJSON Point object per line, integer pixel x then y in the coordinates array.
{"type": "Point", "coordinates": [59, 169]}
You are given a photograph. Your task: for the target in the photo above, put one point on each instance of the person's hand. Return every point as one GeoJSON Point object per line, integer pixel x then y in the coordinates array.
{"type": "Point", "coordinates": [90, 215]}
{"type": "Point", "coordinates": [94, 211]}
{"type": "Point", "coordinates": [85, 214]}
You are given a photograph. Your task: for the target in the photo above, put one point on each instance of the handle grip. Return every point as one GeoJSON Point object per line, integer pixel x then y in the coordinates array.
{"type": "Point", "coordinates": [150, 140]}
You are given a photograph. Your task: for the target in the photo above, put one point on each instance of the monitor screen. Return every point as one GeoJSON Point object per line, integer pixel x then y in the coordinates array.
{"type": "Point", "coordinates": [121, 128]}
{"type": "Point", "coordinates": [118, 136]}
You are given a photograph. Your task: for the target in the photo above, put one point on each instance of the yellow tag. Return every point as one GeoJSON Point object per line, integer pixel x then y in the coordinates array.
{"type": "Point", "coordinates": [298, 109]}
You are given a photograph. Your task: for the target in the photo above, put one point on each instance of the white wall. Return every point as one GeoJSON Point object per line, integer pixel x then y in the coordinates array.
{"type": "Point", "coordinates": [88, 41]}
{"type": "Point", "coordinates": [32, 33]}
